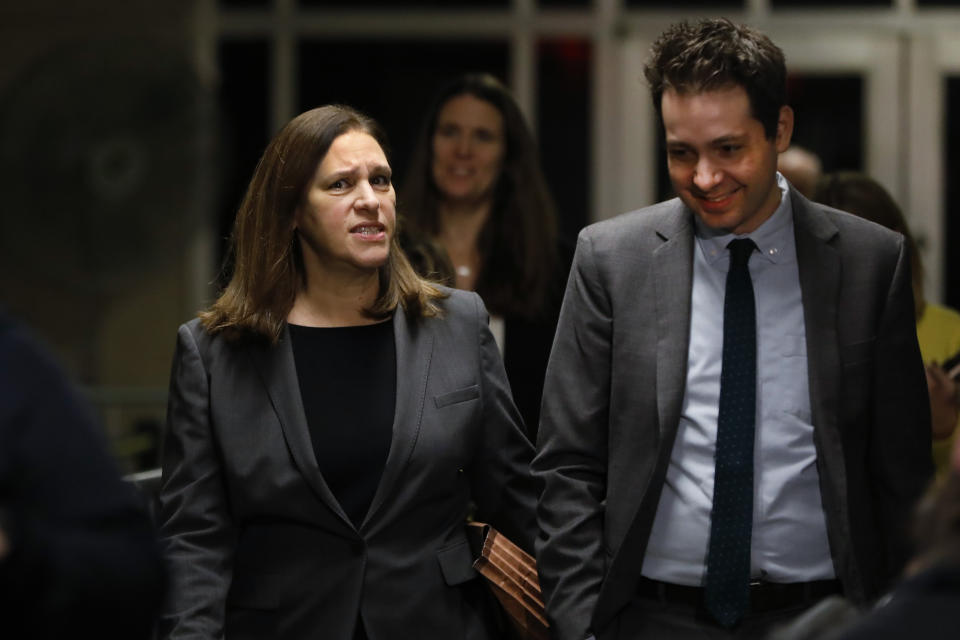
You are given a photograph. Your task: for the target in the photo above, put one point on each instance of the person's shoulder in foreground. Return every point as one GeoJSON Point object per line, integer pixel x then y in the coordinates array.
{"type": "Point", "coordinates": [81, 558]}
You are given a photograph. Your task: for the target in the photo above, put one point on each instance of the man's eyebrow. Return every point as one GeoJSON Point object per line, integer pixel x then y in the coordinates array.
{"type": "Point", "coordinates": [728, 139]}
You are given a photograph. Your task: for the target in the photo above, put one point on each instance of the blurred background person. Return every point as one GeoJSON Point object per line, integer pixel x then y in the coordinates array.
{"type": "Point", "coordinates": [331, 417]}
{"type": "Point", "coordinates": [78, 555]}
{"type": "Point", "coordinates": [474, 194]}
{"type": "Point", "coordinates": [925, 602]}
{"type": "Point", "coordinates": [938, 327]}
{"type": "Point", "coordinates": [801, 167]}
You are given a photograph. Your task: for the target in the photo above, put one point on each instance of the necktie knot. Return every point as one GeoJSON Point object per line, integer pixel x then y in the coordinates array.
{"type": "Point", "coordinates": [740, 251]}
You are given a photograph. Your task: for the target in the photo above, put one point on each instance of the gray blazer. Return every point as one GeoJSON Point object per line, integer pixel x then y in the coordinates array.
{"type": "Point", "coordinates": [258, 546]}
{"type": "Point", "coordinates": [615, 384]}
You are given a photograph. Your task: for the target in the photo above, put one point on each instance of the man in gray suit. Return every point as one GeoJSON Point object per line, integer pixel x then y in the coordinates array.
{"type": "Point", "coordinates": [717, 453]}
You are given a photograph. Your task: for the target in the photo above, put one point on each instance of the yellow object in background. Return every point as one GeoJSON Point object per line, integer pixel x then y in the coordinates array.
{"type": "Point", "coordinates": [938, 332]}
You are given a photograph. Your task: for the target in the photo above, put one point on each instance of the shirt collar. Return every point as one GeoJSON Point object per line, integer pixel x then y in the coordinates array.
{"type": "Point", "coordinates": [774, 238]}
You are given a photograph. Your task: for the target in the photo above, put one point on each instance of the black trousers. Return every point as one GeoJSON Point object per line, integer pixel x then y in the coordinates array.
{"type": "Point", "coordinates": [650, 619]}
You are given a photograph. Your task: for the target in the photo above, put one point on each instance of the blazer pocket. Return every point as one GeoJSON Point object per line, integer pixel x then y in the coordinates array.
{"type": "Point", "coordinates": [460, 395]}
{"type": "Point", "coordinates": [858, 352]}
{"type": "Point", "coordinates": [249, 590]}
{"type": "Point", "coordinates": [456, 563]}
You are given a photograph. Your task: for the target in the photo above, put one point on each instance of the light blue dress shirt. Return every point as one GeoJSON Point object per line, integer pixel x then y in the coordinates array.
{"type": "Point", "coordinates": [789, 527]}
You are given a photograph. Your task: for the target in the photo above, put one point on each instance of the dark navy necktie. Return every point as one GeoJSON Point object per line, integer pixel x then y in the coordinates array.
{"type": "Point", "coordinates": [727, 592]}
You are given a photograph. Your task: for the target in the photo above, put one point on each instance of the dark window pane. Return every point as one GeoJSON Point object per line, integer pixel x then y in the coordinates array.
{"type": "Point", "coordinates": [952, 190]}
{"type": "Point", "coordinates": [243, 97]}
{"type": "Point", "coordinates": [684, 4]}
{"type": "Point", "coordinates": [563, 115]}
{"type": "Point", "coordinates": [407, 4]}
{"type": "Point", "coordinates": [392, 81]}
{"type": "Point", "coordinates": [938, 3]}
{"type": "Point", "coordinates": [819, 4]}
{"type": "Point", "coordinates": [664, 187]}
{"type": "Point", "coordinates": [562, 4]}
{"type": "Point", "coordinates": [828, 120]}
{"type": "Point", "coordinates": [244, 4]}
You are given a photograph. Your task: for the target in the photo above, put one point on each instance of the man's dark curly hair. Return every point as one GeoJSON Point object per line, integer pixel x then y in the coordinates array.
{"type": "Point", "coordinates": [718, 54]}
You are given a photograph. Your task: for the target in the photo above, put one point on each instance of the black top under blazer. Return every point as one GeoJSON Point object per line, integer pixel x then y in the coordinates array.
{"type": "Point", "coordinates": [257, 545]}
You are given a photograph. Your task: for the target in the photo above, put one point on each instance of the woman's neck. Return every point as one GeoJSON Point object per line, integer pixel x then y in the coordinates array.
{"type": "Point", "coordinates": [460, 227]}
{"type": "Point", "coordinates": [329, 301]}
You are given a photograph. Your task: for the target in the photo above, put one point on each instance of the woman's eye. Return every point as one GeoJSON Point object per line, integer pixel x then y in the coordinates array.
{"type": "Point", "coordinates": [446, 130]}
{"type": "Point", "coordinates": [339, 184]}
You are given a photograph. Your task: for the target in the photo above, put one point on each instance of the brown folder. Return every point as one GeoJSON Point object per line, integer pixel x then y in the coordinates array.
{"type": "Point", "coordinates": [511, 574]}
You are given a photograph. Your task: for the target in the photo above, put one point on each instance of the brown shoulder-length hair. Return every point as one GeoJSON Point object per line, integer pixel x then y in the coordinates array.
{"type": "Point", "coordinates": [861, 195]}
{"type": "Point", "coordinates": [518, 244]}
{"type": "Point", "coordinates": [264, 252]}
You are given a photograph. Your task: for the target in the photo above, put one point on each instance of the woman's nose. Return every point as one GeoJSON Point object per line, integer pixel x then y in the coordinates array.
{"type": "Point", "coordinates": [367, 197]}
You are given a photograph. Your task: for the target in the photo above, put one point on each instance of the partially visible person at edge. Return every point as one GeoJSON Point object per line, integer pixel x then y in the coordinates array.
{"type": "Point", "coordinates": [735, 421]}
{"type": "Point", "coordinates": [79, 557]}
{"type": "Point", "coordinates": [332, 416]}
{"type": "Point", "coordinates": [478, 214]}
{"type": "Point", "coordinates": [926, 602]}
{"type": "Point", "coordinates": [938, 327]}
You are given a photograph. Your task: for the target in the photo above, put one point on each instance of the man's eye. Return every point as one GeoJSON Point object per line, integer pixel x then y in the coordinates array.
{"type": "Point", "coordinates": [730, 149]}
{"type": "Point", "coordinates": [678, 154]}
{"type": "Point", "coordinates": [382, 181]}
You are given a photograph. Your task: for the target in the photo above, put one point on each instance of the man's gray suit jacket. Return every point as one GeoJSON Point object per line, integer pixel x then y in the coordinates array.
{"type": "Point", "coordinates": [258, 546]}
{"type": "Point", "coordinates": [615, 384]}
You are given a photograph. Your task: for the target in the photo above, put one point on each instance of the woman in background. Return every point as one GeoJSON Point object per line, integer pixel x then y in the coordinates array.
{"type": "Point", "coordinates": [938, 327]}
{"type": "Point", "coordinates": [479, 215]}
{"type": "Point", "coordinates": [332, 416]}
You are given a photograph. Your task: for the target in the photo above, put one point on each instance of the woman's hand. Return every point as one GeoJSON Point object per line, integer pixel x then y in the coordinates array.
{"type": "Point", "coordinates": [943, 401]}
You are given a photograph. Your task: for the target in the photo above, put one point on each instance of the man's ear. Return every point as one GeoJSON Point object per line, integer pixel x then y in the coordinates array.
{"type": "Point", "coordinates": [784, 128]}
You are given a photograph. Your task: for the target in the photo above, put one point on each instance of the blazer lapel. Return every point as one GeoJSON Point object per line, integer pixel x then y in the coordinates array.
{"type": "Point", "coordinates": [819, 266]}
{"type": "Point", "coordinates": [673, 277]}
{"type": "Point", "coordinates": [414, 345]}
{"type": "Point", "coordinates": [673, 262]}
{"type": "Point", "coordinates": [673, 281]}
{"type": "Point", "coordinates": [818, 262]}
{"type": "Point", "coordinates": [278, 373]}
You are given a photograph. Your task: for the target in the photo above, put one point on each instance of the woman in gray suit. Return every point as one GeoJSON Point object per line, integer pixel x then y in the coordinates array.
{"type": "Point", "coordinates": [331, 417]}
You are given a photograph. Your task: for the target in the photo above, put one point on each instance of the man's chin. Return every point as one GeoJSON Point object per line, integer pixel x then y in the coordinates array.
{"type": "Point", "coordinates": [719, 223]}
